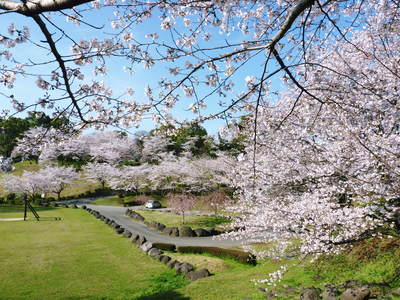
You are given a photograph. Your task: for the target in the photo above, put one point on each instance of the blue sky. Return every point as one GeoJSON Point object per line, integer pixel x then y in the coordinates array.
{"type": "Point", "coordinates": [116, 78]}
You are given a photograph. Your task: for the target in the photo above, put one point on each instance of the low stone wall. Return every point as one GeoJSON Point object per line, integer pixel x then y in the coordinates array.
{"type": "Point", "coordinates": [183, 231]}
{"type": "Point", "coordinates": [185, 269]}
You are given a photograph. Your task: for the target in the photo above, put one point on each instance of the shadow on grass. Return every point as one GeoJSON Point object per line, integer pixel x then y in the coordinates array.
{"type": "Point", "coordinates": [20, 208]}
{"type": "Point", "coordinates": [168, 295]}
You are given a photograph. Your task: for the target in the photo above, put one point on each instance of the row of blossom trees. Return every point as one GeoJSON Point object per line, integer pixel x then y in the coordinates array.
{"type": "Point", "coordinates": [49, 144]}
{"type": "Point", "coordinates": [119, 162]}
{"type": "Point", "coordinates": [47, 180]}
{"type": "Point", "coordinates": [171, 174]}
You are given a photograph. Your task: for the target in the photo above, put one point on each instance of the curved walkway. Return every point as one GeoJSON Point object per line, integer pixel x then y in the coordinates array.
{"type": "Point", "coordinates": [118, 215]}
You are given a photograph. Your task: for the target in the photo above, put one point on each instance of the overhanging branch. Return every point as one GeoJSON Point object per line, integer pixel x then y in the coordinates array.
{"type": "Point", "coordinates": [61, 63]}
{"type": "Point", "coordinates": [36, 7]}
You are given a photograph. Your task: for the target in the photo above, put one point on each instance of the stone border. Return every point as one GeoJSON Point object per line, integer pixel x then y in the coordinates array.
{"type": "Point", "coordinates": [185, 269]}
{"type": "Point", "coordinates": [183, 231]}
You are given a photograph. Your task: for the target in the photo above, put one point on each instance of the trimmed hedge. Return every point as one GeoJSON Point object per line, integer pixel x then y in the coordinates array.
{"type": "Point", "coordinates": [239, 256]}
{"type": "Point", "coordinates": [165, 246]}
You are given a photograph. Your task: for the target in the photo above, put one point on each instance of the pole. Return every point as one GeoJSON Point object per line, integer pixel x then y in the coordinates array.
{"type": "Point", "coordinates": [26, 207]}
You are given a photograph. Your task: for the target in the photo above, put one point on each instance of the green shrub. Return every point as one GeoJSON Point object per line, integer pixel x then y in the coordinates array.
{"type": "Point", "coordinates": [239, 256]}
{"type": "Point", "coordinates": [11, 197]}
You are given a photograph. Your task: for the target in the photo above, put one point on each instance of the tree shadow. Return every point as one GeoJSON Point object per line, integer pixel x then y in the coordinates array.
{"type": "Point", "coordinates": [168, 295]}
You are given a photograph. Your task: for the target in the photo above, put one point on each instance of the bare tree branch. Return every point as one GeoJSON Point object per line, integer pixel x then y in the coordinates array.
{"type": "Point", "coordinates": [61, 63]}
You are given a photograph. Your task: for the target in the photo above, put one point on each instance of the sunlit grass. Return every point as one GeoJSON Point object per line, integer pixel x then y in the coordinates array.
{"type": "Point", "coordinates": [75, 258]}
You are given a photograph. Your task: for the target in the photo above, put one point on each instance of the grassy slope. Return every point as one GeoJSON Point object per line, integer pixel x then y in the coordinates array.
{"type": "Point", "coordinates": [171, 219]}
{"type": "Point", "coordinates": [76, 258]}
{"type": "Point", "coordinates": [374, 262]}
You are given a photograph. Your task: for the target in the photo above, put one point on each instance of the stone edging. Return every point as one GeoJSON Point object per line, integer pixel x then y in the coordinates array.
{"type": "Point", "coordinates": [185, 269]}
{"type": "Point", "coordinates": [184, 231]}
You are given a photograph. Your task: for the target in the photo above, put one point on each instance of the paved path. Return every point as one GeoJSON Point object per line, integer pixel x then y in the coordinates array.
{"type": "Point", "coordinates": [118, 215]}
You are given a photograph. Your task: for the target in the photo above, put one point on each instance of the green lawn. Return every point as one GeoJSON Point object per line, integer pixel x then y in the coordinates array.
{"type": "Point", "coordinates": [171, 219]}
{"type": "Point", "coordinates": [78, 257]}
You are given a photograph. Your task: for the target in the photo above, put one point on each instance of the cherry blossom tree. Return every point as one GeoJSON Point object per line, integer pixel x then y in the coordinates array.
{"type": "Point", "coordinates": [130, 178]}
{"type": "Point", "coordinates": [181, 203]}
{"type": "Point", "coordinates": [59, 178]}
{"type": "Point", "coordinates": [31, 184]}
{"type": "Point", "coordinates": [35, 140]}
{"type": "Point", "coordinates": [189, 175]}
{"type": "Point", "coordinates": [216, 201]}
{"type": "Point", "coordinates": [99, 172]}
{"type": "Point", "coordinates": [228, 50]}
{"type": "Point", "coordinates": [327, 172]}
{"type": "Point", "coordinates": [154, 148]}
{"type": "Point", "coordinates": [103, 147]}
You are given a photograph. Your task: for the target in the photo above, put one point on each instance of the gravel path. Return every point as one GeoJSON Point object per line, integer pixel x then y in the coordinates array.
{"type": "Point", "coordinates": [118, 215]}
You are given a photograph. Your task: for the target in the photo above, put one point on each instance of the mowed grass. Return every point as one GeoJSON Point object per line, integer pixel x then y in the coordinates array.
{"type": "Point", "coordinates": [174, 220]}
{"type": "Point", "coordinates": [78, 257]}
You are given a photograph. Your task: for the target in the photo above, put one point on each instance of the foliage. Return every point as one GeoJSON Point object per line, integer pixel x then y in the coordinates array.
{"type": "Point", "coordinates": [6, 165]}
{"type": "Point", "coordinates": [142, 199]}
{"type": "Point", "coordinates": [188, 137]}
{"type": "Point", "coordinates": [103, 147]}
